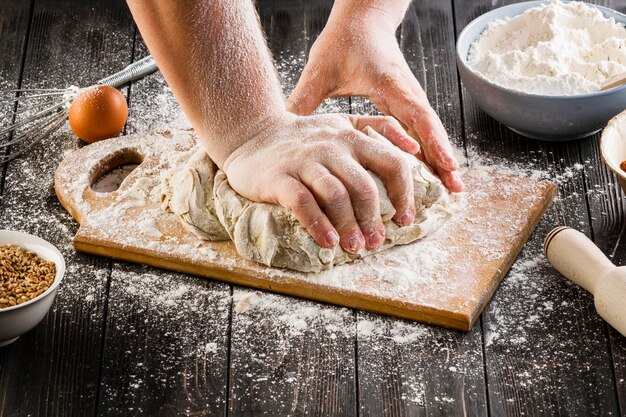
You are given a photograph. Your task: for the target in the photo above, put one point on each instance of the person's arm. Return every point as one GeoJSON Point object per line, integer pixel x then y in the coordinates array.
{"type": "Point", "coordinates": [215, 59]}
{"type": "Point", "coordinates": [357, 55]}
{"type": "Point", "coordinates": [389, 13]}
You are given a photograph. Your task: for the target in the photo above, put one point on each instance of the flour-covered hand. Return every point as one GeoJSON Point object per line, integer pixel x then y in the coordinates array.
{"type": "Point", "coordinates": [316, 167]}
{"type": "Point", "coordinates": [358, 55]}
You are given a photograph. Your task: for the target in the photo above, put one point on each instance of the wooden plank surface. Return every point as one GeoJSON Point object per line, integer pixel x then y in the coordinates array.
{"type": "Point", "coordinates": [54, 369]}
{"type": "Point", "coordinates": [546, 350]}
{"type": "Point", "coordinates": [408, 368]}
{"type": "Point", "coordinates": [14, 25]}
{"type": "Point", "coordinates": [608, 222]}
{"type": "Point", "coordinates": [168, 331]}
{"type": "Point", "coordinates": [289, 356]}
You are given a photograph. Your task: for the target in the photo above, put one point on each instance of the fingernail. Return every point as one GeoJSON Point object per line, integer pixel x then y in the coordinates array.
{"type": "Point", "coordinates": [376, 239]}
{"type": "Point", "coordinates": [445, 158]}
{"type": "Point", "coordinates": [450, 161]}
{"type": "Point", "coordinates": [416, 145]}
{"type": "Point", "coordinates": [407, 218]}
{"type": "Point", "coordinates": [459, 182]}
{"type": "Point", "coordinates": [332, 238]}
{"type": "Point", "coordinates": [355, 243]}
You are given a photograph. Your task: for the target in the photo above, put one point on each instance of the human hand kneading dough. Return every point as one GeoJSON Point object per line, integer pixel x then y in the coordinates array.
{"type": "Point", "coordinates": [357, 55]}
{"type": "Point", "coordinates": [214, 57]}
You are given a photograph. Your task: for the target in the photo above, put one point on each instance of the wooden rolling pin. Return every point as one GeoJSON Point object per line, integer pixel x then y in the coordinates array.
{"type": "Point", "coordinates": [576, 257]}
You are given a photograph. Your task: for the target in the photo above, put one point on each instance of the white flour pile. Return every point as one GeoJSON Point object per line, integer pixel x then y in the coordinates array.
{"type": "Point", "coordinates": [554, 49]}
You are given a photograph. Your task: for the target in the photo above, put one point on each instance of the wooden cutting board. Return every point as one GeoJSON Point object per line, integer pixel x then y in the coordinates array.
{"type": "Point", "coordinates": [444, 280]}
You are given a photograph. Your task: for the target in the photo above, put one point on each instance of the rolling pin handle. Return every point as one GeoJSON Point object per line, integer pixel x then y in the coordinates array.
{"type": "Point", "coordinates": [576, 257]}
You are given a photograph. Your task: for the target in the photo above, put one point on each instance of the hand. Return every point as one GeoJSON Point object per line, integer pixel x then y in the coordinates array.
{"type": "Point", "coordinates": [353, 57]}
{"type": "Point", "coordinates": [316, 167]}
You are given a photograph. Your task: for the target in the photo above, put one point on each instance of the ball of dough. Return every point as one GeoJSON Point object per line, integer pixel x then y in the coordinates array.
{"type": "Point", "coordinates": [199, 193]}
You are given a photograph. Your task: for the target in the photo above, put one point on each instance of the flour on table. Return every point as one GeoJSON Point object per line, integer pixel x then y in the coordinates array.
{"type": "Point", "coordinates": [555, 49]}
{"type": "Point", "coordinates": [200, 195]}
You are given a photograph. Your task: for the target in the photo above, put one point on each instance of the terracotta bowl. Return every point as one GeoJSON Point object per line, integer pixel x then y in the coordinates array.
{"type": "Point", "coordinates": [613, 146]}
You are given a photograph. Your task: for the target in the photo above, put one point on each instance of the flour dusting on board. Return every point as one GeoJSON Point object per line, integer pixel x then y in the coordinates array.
{"type": "Point", "coordinates": [399, 269]}
{"type": "Point", "coordinates": [404, 269]}
{"type": "Point", "coordinates": [419, 271]}
{"type": "Point", "coordinates": [450, 273]}
{"type": "Point", "coordinates": [269, 331]}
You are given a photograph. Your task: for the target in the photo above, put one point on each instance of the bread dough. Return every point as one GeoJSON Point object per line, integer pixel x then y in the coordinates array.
{"type": "Point", "coordinates": [187, 191]}
{"type": "Point", "coordinates": [200, 195]}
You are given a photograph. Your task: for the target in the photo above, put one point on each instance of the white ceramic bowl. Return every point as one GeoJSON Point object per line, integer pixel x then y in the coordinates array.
{"type": "Point", "coordinates": [19, 319]}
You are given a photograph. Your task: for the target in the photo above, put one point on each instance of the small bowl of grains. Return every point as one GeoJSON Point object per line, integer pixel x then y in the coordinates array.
{"type": "Point", "coordinates": [31, 270]}
{"type": "Point", "coordinates": [613, 147]}
{"type": "Point", "coordinates": [545, 69]}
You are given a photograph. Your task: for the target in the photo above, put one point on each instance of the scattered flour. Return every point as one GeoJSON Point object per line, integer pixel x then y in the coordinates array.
{"type": "Point", "coordinates": [169, 331]}
{"type": "Point", "coordinates": [291, 318]}
{"type": "Point", "coordinates": [554, 49]}
{"type": "Point", "coordinates": [162, 321]}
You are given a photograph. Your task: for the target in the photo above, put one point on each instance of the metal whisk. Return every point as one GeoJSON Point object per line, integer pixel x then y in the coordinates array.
{"type": "Point", "coordinates": [45, 110]}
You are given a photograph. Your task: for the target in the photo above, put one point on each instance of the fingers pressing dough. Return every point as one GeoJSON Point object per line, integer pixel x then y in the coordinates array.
{"type": "Point", "coordinates": [200, 195]}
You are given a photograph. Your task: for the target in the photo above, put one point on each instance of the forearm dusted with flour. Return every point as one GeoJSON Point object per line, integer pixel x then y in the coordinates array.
{"type": "Point", "coordinates": [357, 54]}
{"type": "Point", "coordinates": [214, 57]}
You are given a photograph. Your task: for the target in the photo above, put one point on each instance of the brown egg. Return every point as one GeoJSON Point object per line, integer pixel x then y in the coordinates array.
{"type": "Point", "coordinates": [98, 113]}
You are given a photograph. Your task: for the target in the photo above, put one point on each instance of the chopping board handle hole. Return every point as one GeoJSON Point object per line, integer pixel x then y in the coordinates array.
{"type": "Point", "coordinates": [109, 174]}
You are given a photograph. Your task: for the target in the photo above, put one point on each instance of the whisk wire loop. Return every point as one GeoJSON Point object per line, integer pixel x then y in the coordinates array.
{"type": "Point", "coordinates": [54, 108]}
{"type": "Point", "coordinates": [35, 140]}
{"type": "Point", "coordinates": [35, 127]}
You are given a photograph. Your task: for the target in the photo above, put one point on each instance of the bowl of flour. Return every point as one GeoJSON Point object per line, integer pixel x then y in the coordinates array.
{"type": "Point", "coordinates": [538, 67]}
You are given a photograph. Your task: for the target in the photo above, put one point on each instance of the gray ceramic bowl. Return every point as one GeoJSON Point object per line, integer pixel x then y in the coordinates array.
{"type": "Point", "coordinates": [17, 320]}
{"type": "Point", "coordinates": [553, 118]}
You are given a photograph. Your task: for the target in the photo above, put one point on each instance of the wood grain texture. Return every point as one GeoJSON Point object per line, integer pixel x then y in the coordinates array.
{"type": "Point", "coordinates": [480, 241]}
{"type": "Point", "coordinates": [546, 349]}
{"type": "Point", "coordinates": [276, 368]}
{"type": "Point", "coordinates": [14, 25]}
{"type": "Point", "coordinates": [411, 369]}
{"type": "Point", "coordinates": [608, 223]}
{"type": "Point", "coordinates": [291, 357]}
{"type": "Point", "coordinates": [168, 331]}
{"type": "Point", "coordinates": [54, 369]}
{"type": "Point", "coordinates": [407, 368]}
{"type": "Point", "coordinates": [169, 334]}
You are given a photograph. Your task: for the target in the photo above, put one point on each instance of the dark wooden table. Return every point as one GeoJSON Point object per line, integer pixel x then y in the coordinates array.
{"type": "Point", "coordinates": [125, 339]}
